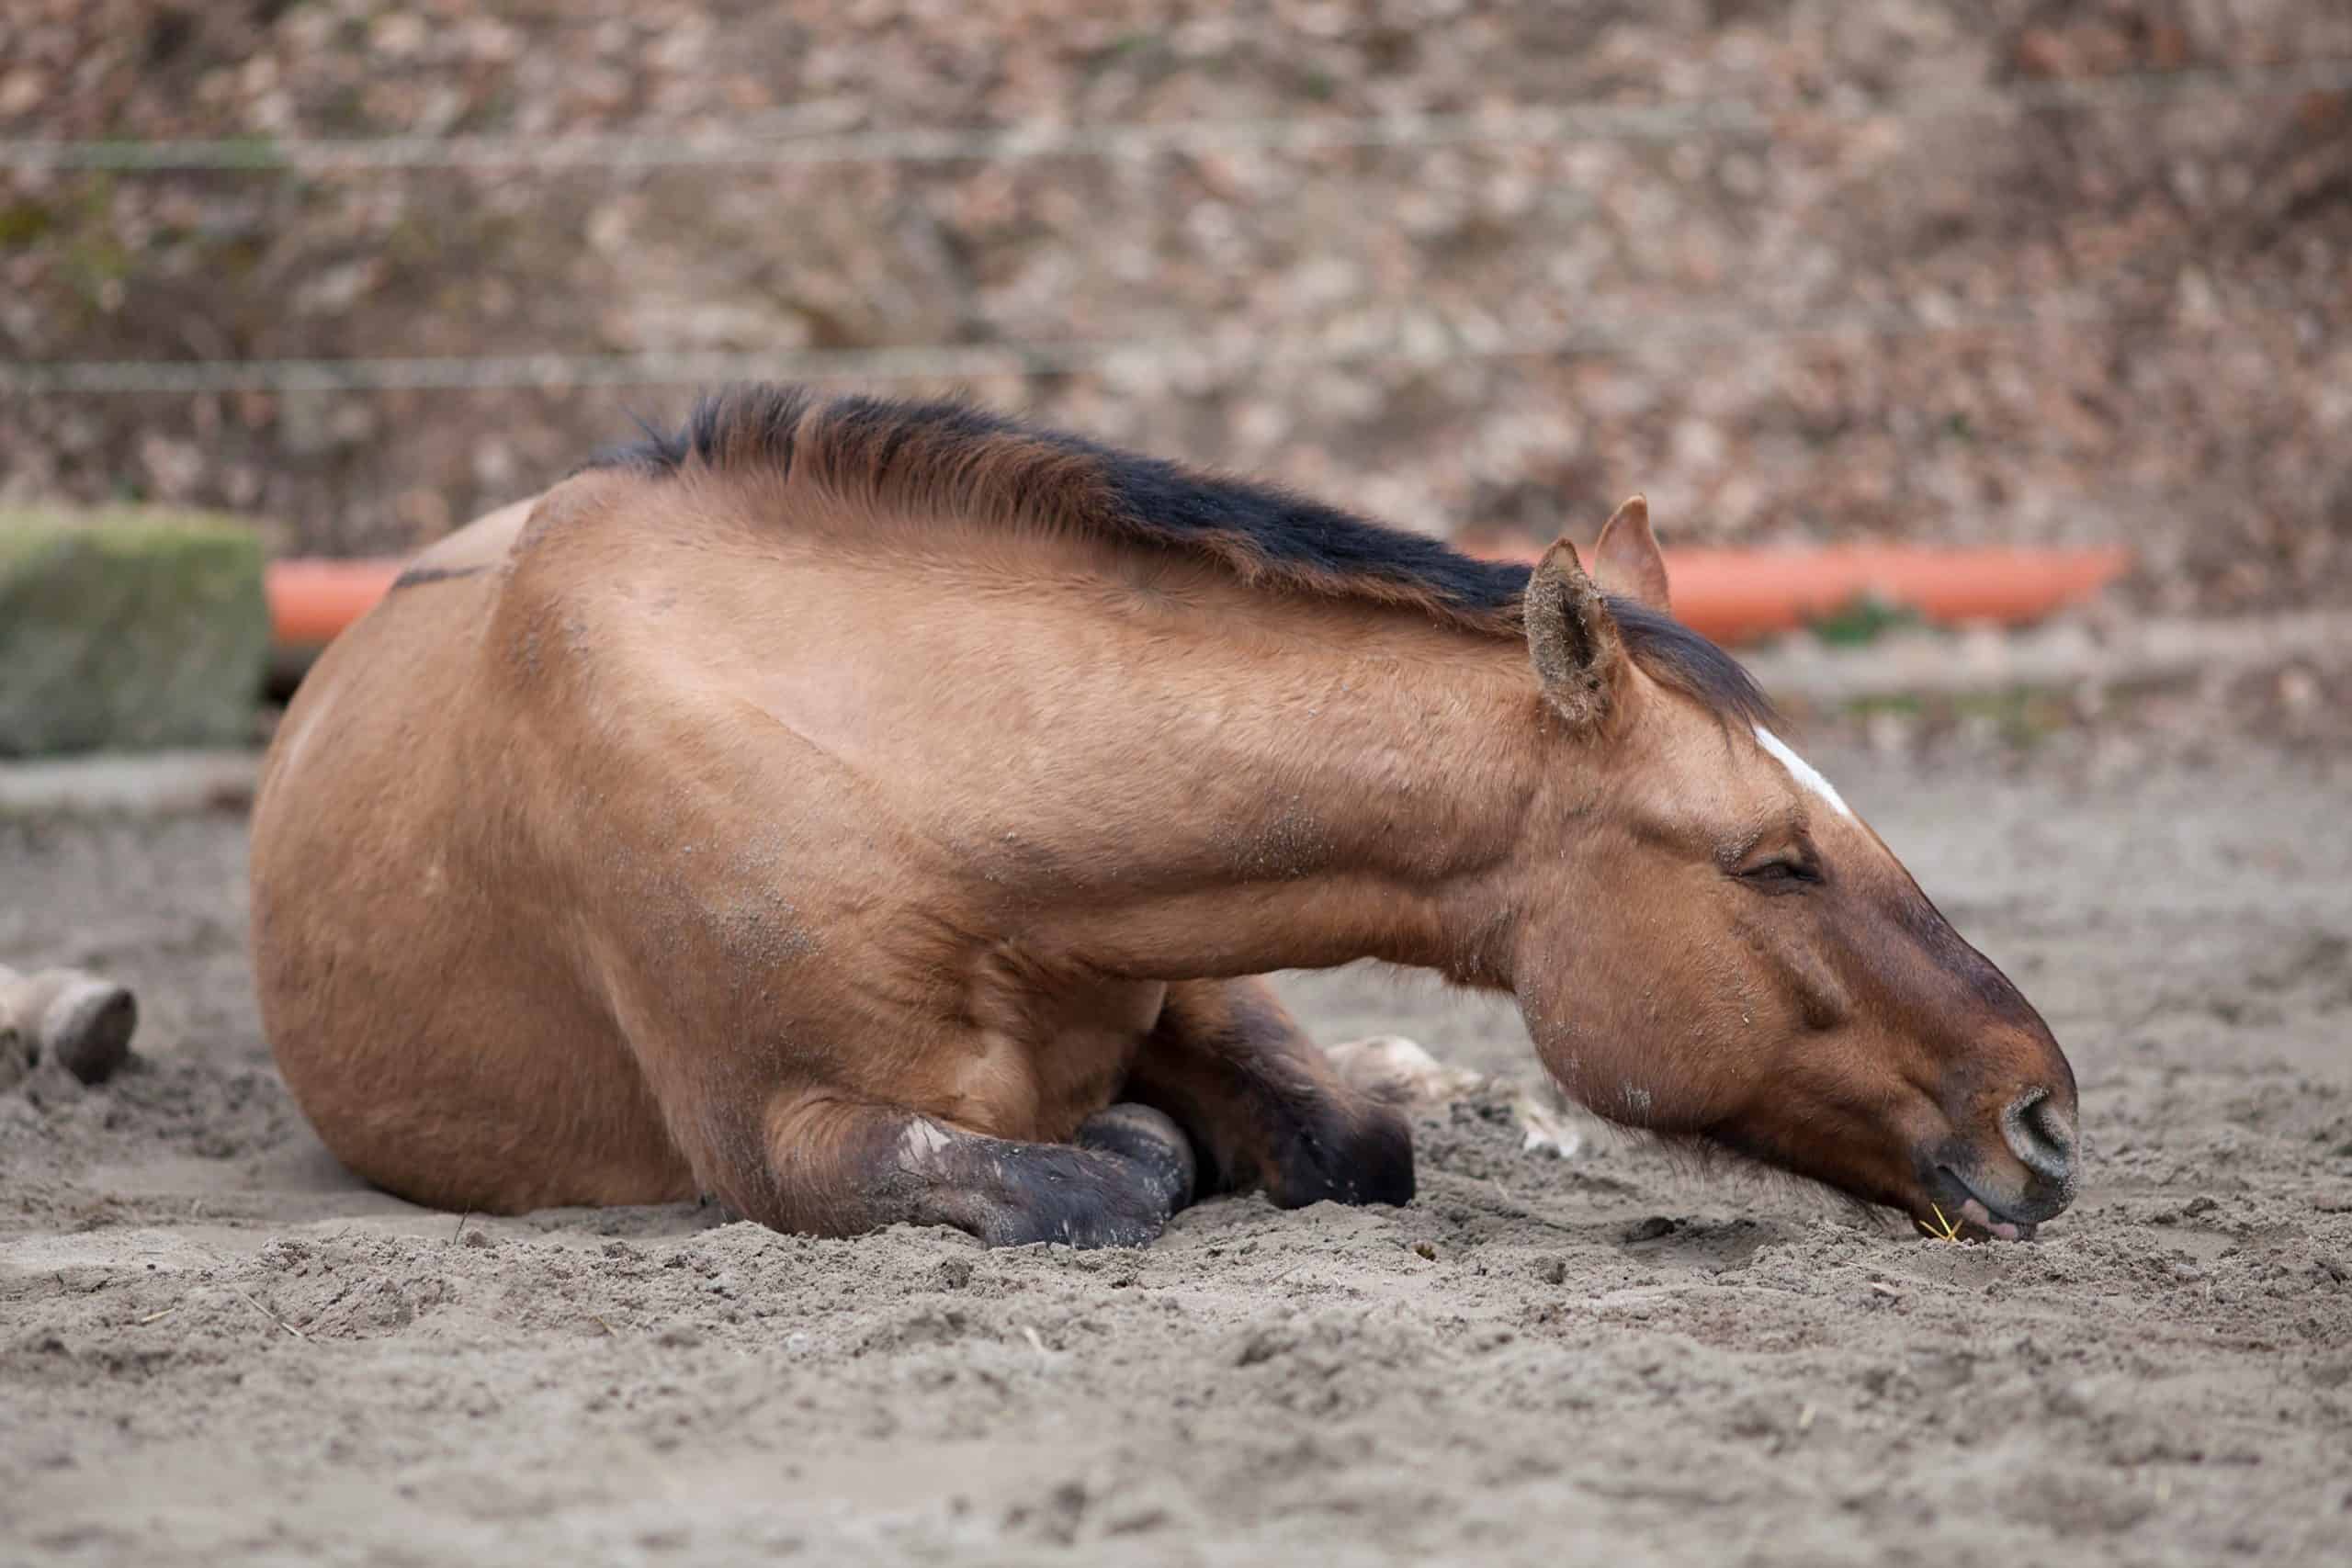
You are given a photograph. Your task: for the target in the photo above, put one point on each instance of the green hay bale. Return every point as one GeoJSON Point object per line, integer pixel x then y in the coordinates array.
{"type": "Point", "coordinates": [129, 629]}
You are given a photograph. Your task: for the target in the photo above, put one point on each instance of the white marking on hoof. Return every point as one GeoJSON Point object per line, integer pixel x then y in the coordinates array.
{"type": "Point", "coordinates": [1801, 771]}
{"type": "Point", "coordinates": [1392, 1069]}
{"type": "Point", "coordinates": [920, 1144]}
{"type": "Point", "coordinates": [1548, 1130]}
{"type": "Point", "coordinates": [1550, 1122]}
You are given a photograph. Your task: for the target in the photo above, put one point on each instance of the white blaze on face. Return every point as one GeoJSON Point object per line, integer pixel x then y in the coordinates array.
{"type": "Point", "coordinates": [1801, 771]}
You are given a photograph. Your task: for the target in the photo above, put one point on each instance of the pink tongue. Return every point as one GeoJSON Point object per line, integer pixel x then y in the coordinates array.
{"type": "Point", "coordinates": [1976, 1214]}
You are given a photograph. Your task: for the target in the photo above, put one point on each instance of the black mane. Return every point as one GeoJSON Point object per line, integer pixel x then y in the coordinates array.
{"type": "Point", "coordinates": [969, 461]}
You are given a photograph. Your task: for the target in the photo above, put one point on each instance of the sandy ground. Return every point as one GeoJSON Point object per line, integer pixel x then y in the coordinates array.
{"type": "Point", "coordinates": [214, 1345]}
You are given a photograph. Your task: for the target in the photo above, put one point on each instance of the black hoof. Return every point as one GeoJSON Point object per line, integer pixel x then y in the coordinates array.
{"type": "Point", "coordinates": [1342, 1156]}
{"type": "Point", "coordinates": [1150, 1140]}
{"type": "Point", "coordinates": [1134, 1223]}
{"type": "Point", "coordinates": [88, 1028]}
{"type": "Point", "coordinates": [79, 1020]}
{"type": "Point", "coordinates": [1130, 1170]}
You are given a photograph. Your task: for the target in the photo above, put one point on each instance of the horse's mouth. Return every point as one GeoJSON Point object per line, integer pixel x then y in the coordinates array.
{"type": "Point", "coordinates": [1973, 1216]}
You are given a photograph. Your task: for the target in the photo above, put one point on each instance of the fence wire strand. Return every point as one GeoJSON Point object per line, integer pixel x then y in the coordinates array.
{"type": "Point", "coordinates": [1174, 359]}
{"type": "Point", "coordinates": [1671, 121]}
{"type": "Point", "coordinates": [1180, 358]}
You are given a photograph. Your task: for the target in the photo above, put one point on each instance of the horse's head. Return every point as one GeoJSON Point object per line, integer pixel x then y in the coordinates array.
{"type": "Point", "coordinates": [1745, 962]}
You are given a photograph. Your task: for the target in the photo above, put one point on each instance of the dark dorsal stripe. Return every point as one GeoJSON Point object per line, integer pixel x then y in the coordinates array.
{"type": "Point", "coordinates": [953, 459]}
{"type": "Point", "coordinates": [416, 576]}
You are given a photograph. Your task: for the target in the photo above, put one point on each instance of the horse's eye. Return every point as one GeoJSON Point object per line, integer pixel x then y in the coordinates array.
{"type": "Point", "coordinates": [1780, 875]}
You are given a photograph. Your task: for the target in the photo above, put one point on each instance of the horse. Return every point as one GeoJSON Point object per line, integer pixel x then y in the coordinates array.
{"type": "Point", "coordinates": [862, 812]}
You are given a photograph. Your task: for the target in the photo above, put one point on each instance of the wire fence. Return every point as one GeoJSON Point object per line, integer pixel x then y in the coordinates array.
{"type": "Point", "coordinates": [1174, 359]}
{"type": "Point", "coordinates": [1564, 123]}
{"type": "Point", "coordinates": [1196, 356]}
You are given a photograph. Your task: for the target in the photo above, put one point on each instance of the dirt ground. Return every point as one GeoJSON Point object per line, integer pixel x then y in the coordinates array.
{"type": "Point", "coordinates": [214, 1345]}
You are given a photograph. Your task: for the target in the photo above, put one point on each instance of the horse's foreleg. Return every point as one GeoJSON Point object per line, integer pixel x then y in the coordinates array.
{"type": "Point", "coordinates": [839, 1167]}
{"type": "Point", "coordinates": [1261, 1103]}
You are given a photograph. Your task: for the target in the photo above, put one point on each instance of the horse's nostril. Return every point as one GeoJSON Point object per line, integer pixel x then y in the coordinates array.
{"type": "Point", "coordinates": [2041, 1136]}
{"type": "Point", "coordinates": [2054, 1126]}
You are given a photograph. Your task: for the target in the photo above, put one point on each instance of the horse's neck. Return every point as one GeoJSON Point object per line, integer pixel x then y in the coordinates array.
{"type": "Point", "coordinates": [1353, 785]}
{"type": "Point", "coordinates": [1141, 764]}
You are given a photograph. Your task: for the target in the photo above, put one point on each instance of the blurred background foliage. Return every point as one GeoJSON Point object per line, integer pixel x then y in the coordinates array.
{"type": "Point", "coordinates": [1942, 270]}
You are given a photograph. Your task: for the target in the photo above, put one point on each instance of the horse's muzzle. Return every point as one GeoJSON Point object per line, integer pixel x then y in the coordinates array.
{"type": "Point", "coordinates": [2005, 1191]}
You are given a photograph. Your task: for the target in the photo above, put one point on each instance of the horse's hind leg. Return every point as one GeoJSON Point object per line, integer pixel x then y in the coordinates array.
{"type": "Point", "coordinates": [841, 1168]}
{"type": "Point", "coordinates": [1263, 1104]}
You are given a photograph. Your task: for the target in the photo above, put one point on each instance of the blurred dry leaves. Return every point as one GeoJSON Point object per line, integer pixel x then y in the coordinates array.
{"type": "Point", "coordinates": [2203, 413]}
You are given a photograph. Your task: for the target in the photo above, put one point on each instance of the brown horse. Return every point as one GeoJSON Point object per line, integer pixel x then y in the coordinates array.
{"type": "Point", "coordinates": [869, 812]}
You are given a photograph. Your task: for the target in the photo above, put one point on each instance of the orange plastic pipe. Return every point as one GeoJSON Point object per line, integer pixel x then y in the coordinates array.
{"type": "Point", "coordinates": [1731, 596]}
{"type": "Point", "coordinates": [311, 601]}
{"type": "Point", "coordinates": [1736, 595]}
{"type": "Point", "coordinates": [1739, 595]}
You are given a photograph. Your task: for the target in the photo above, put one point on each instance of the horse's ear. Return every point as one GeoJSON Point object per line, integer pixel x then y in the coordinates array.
{"type": "Point", "coordinates": [1572, 638]}
{"type": "Point", "coordinates": [1626, 558]}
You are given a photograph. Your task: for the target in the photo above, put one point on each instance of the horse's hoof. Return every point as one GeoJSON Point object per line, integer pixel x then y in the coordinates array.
{"type": "Point", "coordinates": [1150, 1140]}
{"type": "Point", "coordinates": [1397, 1071]}
{"type": "Point", "coordinates": [1360, 1154]}
{"type": "Point", "coordinates": [85, 1024]}
{"type": "Point", "coordinates": [16, 1054]}
{"type": "Point", "coordinates": [88, 1028]}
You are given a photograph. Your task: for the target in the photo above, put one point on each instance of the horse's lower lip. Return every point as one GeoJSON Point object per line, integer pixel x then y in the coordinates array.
{"type": "Point", "coordinates": [1984, 1214]}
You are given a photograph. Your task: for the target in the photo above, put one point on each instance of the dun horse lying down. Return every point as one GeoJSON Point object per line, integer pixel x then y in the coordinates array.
{"type": "Point", "coordinates": [866, 812]}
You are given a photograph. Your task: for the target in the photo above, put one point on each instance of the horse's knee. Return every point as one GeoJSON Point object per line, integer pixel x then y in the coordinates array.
{"type": "Point", "coordinates": [1354, 1152]}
